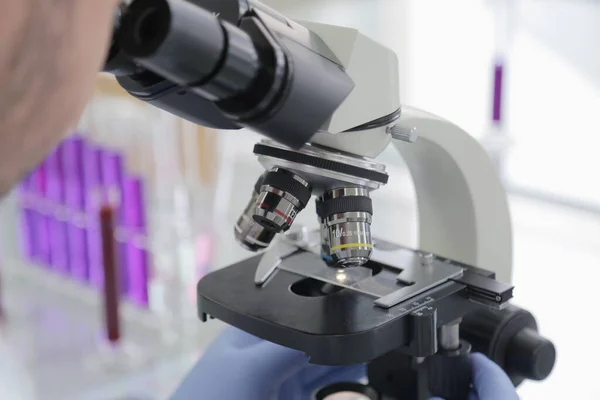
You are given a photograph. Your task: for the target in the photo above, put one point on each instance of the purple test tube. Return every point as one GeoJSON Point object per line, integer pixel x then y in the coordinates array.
{"type": "Point", "coordinates": [26, 220]}
{"type": "Point", "coordinates": [39, 216]}
{"type": "Point", "coordinates": [57, 218]}
{"type": "Point", "coordinates": [497, 94]}
{"type": "Point", "coordinates": [134, 220]}
{"type": "Point", "coordinates": [112, 177]}
{"type": "Point", "coordinates": [73, 171]}
{"type": "Point", "coordinates": [94, 198]}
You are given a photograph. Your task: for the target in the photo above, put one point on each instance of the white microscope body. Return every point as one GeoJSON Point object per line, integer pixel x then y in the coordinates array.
{"type": "Point", "coordinates": [462, 206]}
{"type": "Point", "coordinates": [327, 98]}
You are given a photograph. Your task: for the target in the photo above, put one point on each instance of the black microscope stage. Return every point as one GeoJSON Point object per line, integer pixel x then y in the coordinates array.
{"type": "Point", "coordinates": [400, 302]}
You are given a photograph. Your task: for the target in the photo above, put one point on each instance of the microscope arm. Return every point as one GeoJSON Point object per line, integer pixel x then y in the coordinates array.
{"type": "Point", "coordinates": [462, 205]}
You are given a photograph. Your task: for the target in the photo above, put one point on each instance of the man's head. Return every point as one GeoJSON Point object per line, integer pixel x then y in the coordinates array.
{"type": "Point", "coordinates": [50, 54]}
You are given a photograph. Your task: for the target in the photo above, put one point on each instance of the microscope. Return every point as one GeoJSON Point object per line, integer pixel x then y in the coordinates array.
{"type": "Point", "coordinates": [326, 100]}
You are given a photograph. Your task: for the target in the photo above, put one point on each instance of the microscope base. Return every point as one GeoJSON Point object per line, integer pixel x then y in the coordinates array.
{"type": "Point", "coordinates": [415, 346]}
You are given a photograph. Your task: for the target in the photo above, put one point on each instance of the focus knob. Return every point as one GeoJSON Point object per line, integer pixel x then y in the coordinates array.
{"type": "Point", "coordinates": [510, 338]}
{"type": "Point", "coordinates": [531, 355]}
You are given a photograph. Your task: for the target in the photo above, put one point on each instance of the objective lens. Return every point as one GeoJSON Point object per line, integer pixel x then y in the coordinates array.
{"type": "Point", "coordinates": [346, 216]}
{"type": "Point", "coordinates": [283, 195]}
{"type": "Point", "coordinates": [248, 233]}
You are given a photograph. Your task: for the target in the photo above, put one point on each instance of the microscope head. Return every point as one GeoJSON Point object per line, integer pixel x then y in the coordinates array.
{"type": "Point", "coordinates": [337, 165]}
{"type": "Point", "coordinates": [236, 63]}
{"type": "Point", "coordinates": [325, 96]}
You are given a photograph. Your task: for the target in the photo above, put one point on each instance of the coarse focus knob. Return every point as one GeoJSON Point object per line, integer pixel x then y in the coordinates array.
{"type": "Point", "coordinates": [531, 355]}
{"type": "Point", "coordinates": [510, 338]}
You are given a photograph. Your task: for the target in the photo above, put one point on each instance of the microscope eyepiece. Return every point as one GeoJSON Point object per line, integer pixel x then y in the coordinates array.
{"type": "Point", "coordinates": [150, 28]}
{"type": "Point", "coordinates": [117, 63]}
{"type": "Point", "coordinates": [283, 195]}
{"type": "Point", "coordinates": [175, 39]}
{"type": "Point", "coordinates": [346, 216]}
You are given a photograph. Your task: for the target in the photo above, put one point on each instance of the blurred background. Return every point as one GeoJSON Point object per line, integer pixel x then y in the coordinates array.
{"type": "Point", "coordinates": [178, 189]}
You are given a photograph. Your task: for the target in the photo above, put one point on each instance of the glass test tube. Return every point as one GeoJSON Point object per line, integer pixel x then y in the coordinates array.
{"type": "Point", "coordinates": [112, 176]}
{"type": "Point", "coordinates": [127, 134]}
{"type": "Point", "coordinates": [136, 253]}
{"type": "Point", "coordinates": [496, 140]}
{"type": "Point", "coordinates": [94, 198]}
{"type": "Point", "coordinates": [27, 236]}
{"type": "Point", "coordinates": [502, 10]}
{"type": "Point", "coordinates": [56, 217]}
{"type": "Point", "coordinates": [75, 201]}
{"type": "Point", "coordinates": [42, 255]}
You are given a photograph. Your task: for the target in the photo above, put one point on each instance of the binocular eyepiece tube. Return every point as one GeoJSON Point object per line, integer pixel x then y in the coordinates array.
{"type": "Point", "coordinates": [242, 71]}
{"type": "Point", "coordinates": [190, 46]}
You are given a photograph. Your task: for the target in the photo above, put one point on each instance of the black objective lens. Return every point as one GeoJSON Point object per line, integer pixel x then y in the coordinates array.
{"type": "Point", "coordinates": [283, 195]}
{"type": "Point", "coordinates": [251, 235]}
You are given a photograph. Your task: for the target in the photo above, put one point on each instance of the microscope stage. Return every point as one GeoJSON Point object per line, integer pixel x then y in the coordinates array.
{"type": "Point", "coordinates": [337, 325]}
